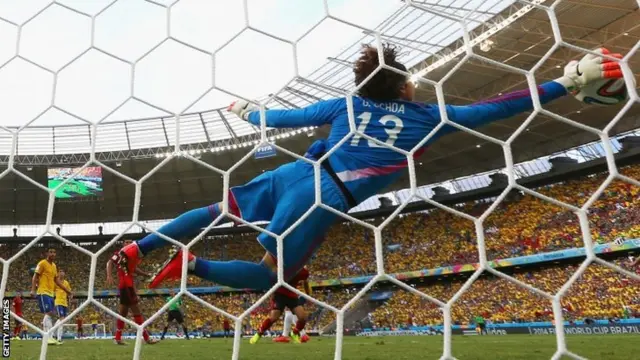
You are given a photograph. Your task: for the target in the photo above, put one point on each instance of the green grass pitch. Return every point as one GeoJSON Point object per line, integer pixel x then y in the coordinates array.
{"type": "Point", "coordinates": [512, 347]}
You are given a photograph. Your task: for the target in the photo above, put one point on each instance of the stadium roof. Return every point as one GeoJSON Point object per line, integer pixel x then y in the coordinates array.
{"type": "Point", "coordinates": [219, 128]}
{"type": "Point", "coordinates": [584, 23]}
{"type": "Point", "coordinates": [427, 38]}
{"type": "Point", "coordinates": [521, 43]}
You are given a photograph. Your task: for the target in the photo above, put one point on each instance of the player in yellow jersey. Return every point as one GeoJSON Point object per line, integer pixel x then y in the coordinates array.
{"type": "Point", "coordinates": [61, 302]}
{"type": "Point", "coordinates": [43, 285]}
{"type": "Point", "coordinates": [94, 318]}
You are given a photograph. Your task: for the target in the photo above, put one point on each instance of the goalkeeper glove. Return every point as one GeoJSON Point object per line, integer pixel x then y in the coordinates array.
{"type": "Point", "coordinates": [578, 74]}
{"type": "Point", "coordinates": [242, 108]}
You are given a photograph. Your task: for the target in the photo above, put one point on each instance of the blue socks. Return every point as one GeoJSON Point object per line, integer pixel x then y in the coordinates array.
{"type": "Point", "coordinates": [187, 224]}
{"type": "Point", "coordinates": [236, 274]}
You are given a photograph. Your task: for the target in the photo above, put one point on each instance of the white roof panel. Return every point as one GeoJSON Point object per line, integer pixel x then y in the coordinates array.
{"type": "Point", "coordinates": [420, 32]}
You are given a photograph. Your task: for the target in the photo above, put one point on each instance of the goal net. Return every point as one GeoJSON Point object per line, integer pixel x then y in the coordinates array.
{"type": "Point", "coordinates": [466, 32]}
{"type": "Point", "coordinates": [88, 331]}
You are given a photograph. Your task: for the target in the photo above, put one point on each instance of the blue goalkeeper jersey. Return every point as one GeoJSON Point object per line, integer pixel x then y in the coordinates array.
{"type": "Point", "coordinates": [365, 167]}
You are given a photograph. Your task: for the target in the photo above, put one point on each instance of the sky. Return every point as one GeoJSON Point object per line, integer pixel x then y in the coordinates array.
{"type": "Point", "coordinates": [173, 75]}
{"type": "Point", "coordinates": [164, 58]}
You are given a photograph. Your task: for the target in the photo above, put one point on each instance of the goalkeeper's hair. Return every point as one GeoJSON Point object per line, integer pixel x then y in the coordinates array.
{"type": "Point", "coordinates": [386, 85]}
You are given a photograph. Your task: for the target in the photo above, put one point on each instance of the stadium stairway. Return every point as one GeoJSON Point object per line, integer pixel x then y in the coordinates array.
{"type": "Point", "coordinates": [360, 311]}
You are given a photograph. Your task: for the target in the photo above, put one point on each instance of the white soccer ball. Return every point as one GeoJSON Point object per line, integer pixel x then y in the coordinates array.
{"type": "Point", "coordinates": [604, 92]}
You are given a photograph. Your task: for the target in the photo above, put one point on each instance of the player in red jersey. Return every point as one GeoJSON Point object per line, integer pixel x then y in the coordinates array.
{"type": "Point", "coordinates": [128, 296]}
{"type": "Point", "coordinates": [79, 330]}
{"type": "Point", "coordinates": [17, 309]}
{"type": "Point", "coordinates": [226, 327]}
{"type": "Point", "coordinates": [285, 298]}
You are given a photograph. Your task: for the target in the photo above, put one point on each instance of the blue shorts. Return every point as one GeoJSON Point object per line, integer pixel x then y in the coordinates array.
{"type": "Point", "coordinates": [282, 196]}
{"type": "Point", "coordinates": [45, 303]}
{"type": "Point", "coordinates": [62, 311]}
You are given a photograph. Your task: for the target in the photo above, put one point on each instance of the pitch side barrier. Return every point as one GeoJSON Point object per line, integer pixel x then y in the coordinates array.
{"type": "Point", "coordinates": [597, 327]}
{"type": "Point", "coordinates": [609, 248]}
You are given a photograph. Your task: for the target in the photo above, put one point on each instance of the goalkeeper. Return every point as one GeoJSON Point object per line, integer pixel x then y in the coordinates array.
{"type": "Point", "coordinates": [358, 169]}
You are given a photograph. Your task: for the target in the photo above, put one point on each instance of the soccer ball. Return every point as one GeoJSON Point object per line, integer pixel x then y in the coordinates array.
{"type": "Point", "coordinates": [604, 92]}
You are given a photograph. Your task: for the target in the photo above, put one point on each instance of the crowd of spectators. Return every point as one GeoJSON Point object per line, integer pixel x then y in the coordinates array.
{"type": "Point", "coordinates": [600, 293]}
{"type": "Point", "coordinates": [520, 225]}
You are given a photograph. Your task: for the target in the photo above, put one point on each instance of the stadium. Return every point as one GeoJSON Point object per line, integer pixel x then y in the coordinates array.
{"type": "Point", "coordinates": [515, 240]}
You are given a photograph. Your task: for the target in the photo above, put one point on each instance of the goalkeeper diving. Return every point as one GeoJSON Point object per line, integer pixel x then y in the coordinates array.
{"type": "Point", "coordinates": [359, 168]}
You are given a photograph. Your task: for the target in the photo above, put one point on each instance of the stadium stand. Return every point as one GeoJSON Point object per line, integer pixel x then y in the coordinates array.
{"type": "Point", "coordinates": [521, 226]}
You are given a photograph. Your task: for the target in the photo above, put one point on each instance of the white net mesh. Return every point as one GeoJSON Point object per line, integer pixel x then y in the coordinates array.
{"type": "Point", "coordinates": [99, 331]}
{"type": "Point", "coordinates": [462, 21]}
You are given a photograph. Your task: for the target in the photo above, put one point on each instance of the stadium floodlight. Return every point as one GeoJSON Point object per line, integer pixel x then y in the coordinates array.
{"type": "Point", "coordinates": [486, 45]}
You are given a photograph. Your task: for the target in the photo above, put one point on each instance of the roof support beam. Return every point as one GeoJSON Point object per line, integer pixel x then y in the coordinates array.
{"type": "Point", "coordinates": [90, 137]}
{"type": "Point", "coordinates": [204, 127]}
{"type": "Point", "coordinates": [285, 103]}
{"type": "Point", "coordinates": [164, 129]}
{"type": "Point", "coordinates": [327, 88]}
{"type": "Point", "coordinates": [126, 131]}
{"type": "Point", "coordinates": [459, 8]}
{"type": "Point", "coordinates": [229, 128]}
{"type": "Point", "coordinates": [303, 94]}
{"type": "Point", "coordinates": [340, 61]}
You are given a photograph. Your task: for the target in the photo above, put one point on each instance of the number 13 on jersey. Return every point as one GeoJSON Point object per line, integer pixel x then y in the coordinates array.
{"type": "Point", "coordinates": [391, 132]}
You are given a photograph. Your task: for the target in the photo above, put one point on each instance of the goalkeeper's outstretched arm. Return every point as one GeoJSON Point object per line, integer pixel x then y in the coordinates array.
{"type": "Point", "coordinates": [577, 74]}
{"type": "Point", "coordinates": [318, 114]}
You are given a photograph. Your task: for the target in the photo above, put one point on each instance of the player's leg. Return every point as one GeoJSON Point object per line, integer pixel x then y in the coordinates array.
{"type": "Point", "coordinates": [45, 303]}
{"type": "Point", "coordinates": [288, 323]}
{"type": "Point", "coordinates": [18, 328]}
{"type": "Point", "coordinates": [137, 314]}
{"type": "Point", "coordinates": [123, 310]}
{"type": "Point", "coordinates": [291, 190]}
{"type": "Point", "coordinates": [62, 313]}
{"type": "Point", "coordinates": [257, 207]}
{"type": "Point", "coordinates": [301, 314]}
{"type": "Point", "coordinates": [298, 248]}
{"type": "Point", "coordinates": [166, 326]}
{"type": "Point", "coordinates": [139, 319]}
{"type": "Point", "coordinates": [181, 322]}
{"type": "Point", "coordinates": [274, 315]}
{"type": "Point", "coordinates": [254, 201]}
{"type": "Point", "coordinates": [303, 333]}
